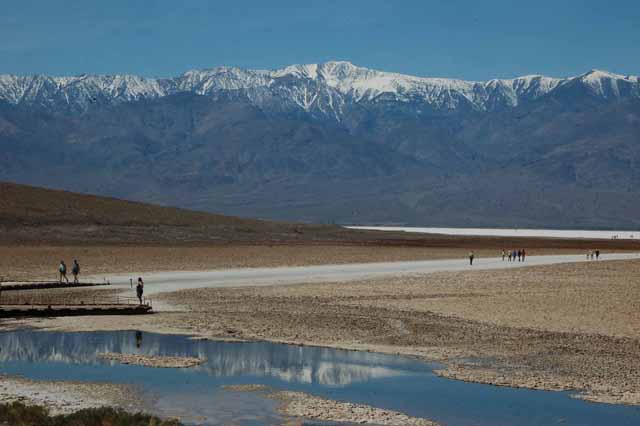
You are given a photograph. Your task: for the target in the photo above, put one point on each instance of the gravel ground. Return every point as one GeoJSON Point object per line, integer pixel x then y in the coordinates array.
{"type": "Point", "coordinates": [572, 326]}
{"type": "Point", "coordinates": [302, 405]}
{"type": "Point", "coordinates": [41, 262]}
{"type": "Point", "coordinates": [153, 361]}
{"type": "Point", "coordinates": [67, 397]}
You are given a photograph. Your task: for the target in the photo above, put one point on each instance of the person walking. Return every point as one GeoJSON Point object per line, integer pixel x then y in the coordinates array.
{"type": "Point", "coordinates": [519, 255]}
{"type": "Point", "coordinates": [503, 254]}
{"type": "Point", "coordinates": [523, 254]}
{"type": "Point", "coordinates": [514, 254]}
{"type": "Point", "coordinates": [140, 289]}
{"type": "Point", "coordinates": [597, 254]}
{"type": "Point", "coordinates": [471, 256]}
{"type": "Point", "coordinates": [62, 269]}
{"type": "Point", "coordinates": [75, 270]}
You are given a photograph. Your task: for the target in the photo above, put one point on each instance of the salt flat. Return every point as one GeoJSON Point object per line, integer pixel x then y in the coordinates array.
{"type": "Point", "coordinates": [159, 282]}
{"type": "Point", "coordinates": [511, 232]}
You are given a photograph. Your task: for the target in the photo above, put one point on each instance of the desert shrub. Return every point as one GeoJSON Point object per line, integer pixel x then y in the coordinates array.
{"type": "Point", "coordinates": [18, 414]}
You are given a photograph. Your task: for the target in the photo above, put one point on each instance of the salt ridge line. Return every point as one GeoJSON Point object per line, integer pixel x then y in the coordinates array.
{"type": "Point", "coordinates": [160, 282]}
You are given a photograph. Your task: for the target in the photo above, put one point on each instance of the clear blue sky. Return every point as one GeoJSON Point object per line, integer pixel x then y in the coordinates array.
{"type": "Point", "coordinates": [477, 39]}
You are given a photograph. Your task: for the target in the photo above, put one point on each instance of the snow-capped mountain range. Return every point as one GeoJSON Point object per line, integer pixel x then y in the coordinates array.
{"type": "Point", "coordinates": [336, 142]}
{"type": "Point", "coordinates": [326, 88]}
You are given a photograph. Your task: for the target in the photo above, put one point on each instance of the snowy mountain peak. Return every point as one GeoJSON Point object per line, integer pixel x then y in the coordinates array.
{"type": "Point", "coordinates": [596, 74]}
{"type": "Point", "coordinates": [325, 88]}
{"type": "Point", "coordinates": [309, 71]}
{"type": "Point", "coordinates": [608, 85]}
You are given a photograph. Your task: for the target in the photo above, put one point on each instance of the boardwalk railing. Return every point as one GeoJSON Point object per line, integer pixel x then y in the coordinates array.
{"type": "Point", "coordinates": [33, 298]}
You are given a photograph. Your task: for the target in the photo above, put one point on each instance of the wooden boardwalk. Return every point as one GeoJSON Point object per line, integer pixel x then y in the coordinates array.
{"type": "Point", "coordinates": [20, 311]}
{"type": "Point", "coordinates": [39, 285]}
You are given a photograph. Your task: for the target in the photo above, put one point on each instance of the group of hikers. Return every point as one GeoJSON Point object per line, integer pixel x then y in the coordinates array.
{"type": "Point", "coordinates": [520, 255]}
{"type": "Point", "coordinates": [514, 254]}
{"type": "Point", "coordinates": [75, 270]}
{"type": "Point", "coordinates": [511, 255]}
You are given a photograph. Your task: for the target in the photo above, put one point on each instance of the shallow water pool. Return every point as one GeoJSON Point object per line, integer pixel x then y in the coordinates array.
{"type": "Point", "coordinates": [196, 394]}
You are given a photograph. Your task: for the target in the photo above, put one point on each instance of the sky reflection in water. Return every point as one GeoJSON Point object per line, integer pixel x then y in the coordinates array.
{"type": "Point", "coordinates": [384, 381]}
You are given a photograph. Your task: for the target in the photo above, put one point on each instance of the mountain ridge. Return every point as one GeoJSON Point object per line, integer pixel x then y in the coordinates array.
{"type": "Point", "coordinates": [324, 87]}
{"type": "Point", "coordinates": [335, 143]}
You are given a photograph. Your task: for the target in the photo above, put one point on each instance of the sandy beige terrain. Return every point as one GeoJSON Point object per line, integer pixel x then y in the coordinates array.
{"type": "Point", "coordinates": [41, 262]}
{"type": "Point", "coordinates": [153, 361]}
{"type": "Point", "coordinates": [64, 397]}
{"type": "Point", "coordinates": [572, 326]}
{"type": "Point", "coordinates": [305, 406]}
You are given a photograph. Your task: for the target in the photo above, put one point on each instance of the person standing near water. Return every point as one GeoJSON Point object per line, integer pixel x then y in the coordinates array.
{"type": "Point", "coordinates": [140, 289]}
{"type": "Point", "coordinates": [503, 255]}
{"type": "Point", "coordinates": [471, 256]}
{"type": "Point", "coordinates": [62, 269]}
{"type": "Point", "coordinates": [597, 254]}
{"type": "Point", "coordinates": [75, 270]}
{"type": "Point", "coordinates": [523, 255]}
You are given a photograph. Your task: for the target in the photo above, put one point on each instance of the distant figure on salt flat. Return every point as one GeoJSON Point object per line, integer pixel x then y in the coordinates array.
{"type": "Point", "coordinates": [140, 289]}
{"type": "Point", "coordinates": [471, 256]}
{"type": "Point", "coordinates": [75, 270]}
{"type": "Point", "coordinates": [62, 269]}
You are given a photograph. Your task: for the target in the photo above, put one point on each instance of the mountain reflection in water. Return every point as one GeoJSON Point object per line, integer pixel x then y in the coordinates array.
{"type": "Point", "coordinates": [288, 363]}
{"type": "Point", "coordinates": [384, 381]}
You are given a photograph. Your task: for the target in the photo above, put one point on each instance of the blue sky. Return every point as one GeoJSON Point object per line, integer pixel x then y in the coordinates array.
{"type": "Point", "coordinates": [475, 40]}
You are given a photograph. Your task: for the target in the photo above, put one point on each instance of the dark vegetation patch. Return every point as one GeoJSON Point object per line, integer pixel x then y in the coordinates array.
{"type": "Point", "coordinates": [19, 414]}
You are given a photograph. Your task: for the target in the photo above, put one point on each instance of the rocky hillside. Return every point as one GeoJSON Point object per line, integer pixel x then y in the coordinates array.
{"type": "Point", "coordinates": [30, 214]}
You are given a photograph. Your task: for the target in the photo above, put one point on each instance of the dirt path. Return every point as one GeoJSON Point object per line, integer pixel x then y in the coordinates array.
{"type": "Point", "coordinates": [160, 282]}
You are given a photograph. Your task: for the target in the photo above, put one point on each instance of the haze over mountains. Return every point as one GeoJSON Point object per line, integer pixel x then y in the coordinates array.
{"type": "Point", "coordinates": [333, 142]}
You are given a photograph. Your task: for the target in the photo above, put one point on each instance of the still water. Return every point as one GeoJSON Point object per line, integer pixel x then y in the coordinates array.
{"type": "Point", "coordinates": [385, 381]}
